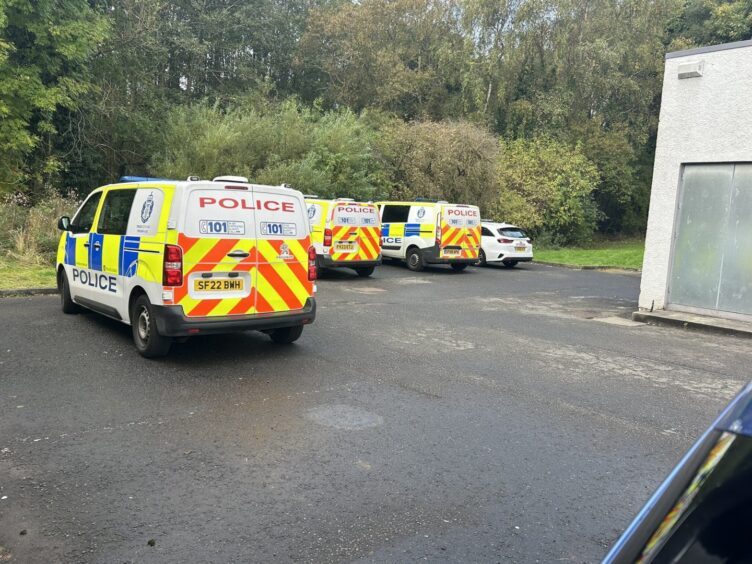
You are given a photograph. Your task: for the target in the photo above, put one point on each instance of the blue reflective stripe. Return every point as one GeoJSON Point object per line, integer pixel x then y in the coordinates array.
{"type": "Point", "coordinates": [70, 249]}
{"type": "Point", "coordinates": [95, 256]}
{"type": "Point", "coordinates": [128, 256]}
{"type": "Point", "coordinates": [412, 229]}
{"type": "Point", "coordinates": [385, 230]}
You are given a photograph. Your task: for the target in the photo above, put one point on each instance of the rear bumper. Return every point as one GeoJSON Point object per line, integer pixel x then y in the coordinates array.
{"type": "Point", "coordinates": [171, 322]}
{"type": "Point", "coordinates": [325, 261]}
{"type": "Point", "coordinates": [509, 258]}
{"type": "Point", "coordinates": [431, 256]}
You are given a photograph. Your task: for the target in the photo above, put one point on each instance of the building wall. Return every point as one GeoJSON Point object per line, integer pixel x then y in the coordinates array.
{"type": "Point", "coordinates": [707, 119]}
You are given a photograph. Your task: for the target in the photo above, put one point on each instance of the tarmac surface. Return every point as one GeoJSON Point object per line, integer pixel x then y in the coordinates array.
{"type": "Point", "coordinates": [492, 415]}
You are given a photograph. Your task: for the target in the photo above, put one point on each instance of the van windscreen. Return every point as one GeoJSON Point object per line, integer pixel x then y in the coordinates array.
{"type": "Point", "coordinates": [355, 215]}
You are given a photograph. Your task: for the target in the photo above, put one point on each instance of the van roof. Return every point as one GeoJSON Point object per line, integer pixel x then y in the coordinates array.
{"type": "Point", "coordinates": [423, 203]}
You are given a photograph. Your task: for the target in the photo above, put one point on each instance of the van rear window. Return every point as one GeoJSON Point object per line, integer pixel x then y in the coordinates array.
{"type": "Point", "coordinates": [221, 214]}
{"type": "Point", "coordinates": [356, 216]}
{"type": "Point", "coordinates": [465, 216]}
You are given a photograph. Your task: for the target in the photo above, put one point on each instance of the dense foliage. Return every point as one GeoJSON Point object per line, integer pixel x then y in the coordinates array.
{"type": "Point", "coordinates": [541, 111]}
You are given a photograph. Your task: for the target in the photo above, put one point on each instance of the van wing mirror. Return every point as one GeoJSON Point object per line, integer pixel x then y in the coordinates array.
{"type": "Point", "coordinates": [64, 224]}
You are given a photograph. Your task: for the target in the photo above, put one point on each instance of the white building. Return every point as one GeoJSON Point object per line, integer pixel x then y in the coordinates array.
{"type": "Point", "coordinates": [698, 251]}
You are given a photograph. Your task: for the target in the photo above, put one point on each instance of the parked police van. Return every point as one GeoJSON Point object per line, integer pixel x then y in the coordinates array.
{"type": "Point", "coordinates": [430, 232]}
{"type": "Point", "coordinates": [345, 233]}
{"type": "Point", "coordinates": [180, 258]}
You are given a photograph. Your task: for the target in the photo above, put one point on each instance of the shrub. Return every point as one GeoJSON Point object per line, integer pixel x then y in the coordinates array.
{"type": "Point", "coordinates": [29, 232]}
{"type": "Point", "coordinates": [547, 187]}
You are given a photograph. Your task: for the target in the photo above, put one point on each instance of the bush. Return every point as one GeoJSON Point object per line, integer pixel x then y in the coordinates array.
{"type": "Point", "coordinates": [451, 161]}
{"type": "Point", "coordinates": [329, 154]}
{"type": "Point", "coordinates": [29, 232]}
{"type": "Point", "coordinates": [547, 187]}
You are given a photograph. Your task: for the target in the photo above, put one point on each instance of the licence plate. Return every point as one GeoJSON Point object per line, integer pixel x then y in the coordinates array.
{"type": "Point", "coordinates": [520, 249]}
{"type": "Point", "coordinates": [346, 247]}
{"type": "Point", "coordinates": [452, 252]}
{"type": "Point", "coordinates": [218, 285]}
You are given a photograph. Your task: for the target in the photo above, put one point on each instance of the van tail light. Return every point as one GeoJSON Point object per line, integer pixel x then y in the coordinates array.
{"type": "Point", "coordinates": [438, 230]}
{"type": "Point", "coordinates": [172, 270]}
{"type": "Point", "coordinates": [505, 240]}
{"type": "Point", "coordinates": [312, 263]}
{"type": "Point", "coordinates": [327, 237]}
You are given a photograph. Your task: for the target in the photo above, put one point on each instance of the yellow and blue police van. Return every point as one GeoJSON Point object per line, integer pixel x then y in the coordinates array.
{"type": "Point", "coordinates": [175, 259]}
{"type": "Point", "coordinates": [345, 233]}
{"type": "Point", "coordinates": [430, 232]}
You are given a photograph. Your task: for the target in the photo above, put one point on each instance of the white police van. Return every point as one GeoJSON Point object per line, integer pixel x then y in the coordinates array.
{"type": "Point", "coordinates": [181, 258]}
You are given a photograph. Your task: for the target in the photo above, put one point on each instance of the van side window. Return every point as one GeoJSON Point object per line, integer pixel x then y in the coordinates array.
{"type": "Point", "coordinates": [84, 219]}
{"type": "Point", "coordinates": [113, 219]}
{"type": "Point", "coordinates": [395, 214]}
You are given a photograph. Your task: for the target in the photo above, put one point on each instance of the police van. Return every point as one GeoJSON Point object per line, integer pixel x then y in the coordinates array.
{"type": "Point", "coordinates": [345, 233]}
{"type": "Point", "coordinates": [430, 232]}
{"type": "Point", "coordinates": [175, 259]}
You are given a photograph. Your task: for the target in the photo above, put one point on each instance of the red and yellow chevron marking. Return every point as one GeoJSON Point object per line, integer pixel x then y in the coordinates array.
{"type": "Point", "coordinates": [278, 283]}
{"type": "Point", "coordinates": [368, 240]}
{"type": "Point", "coordinates": [467, 238]}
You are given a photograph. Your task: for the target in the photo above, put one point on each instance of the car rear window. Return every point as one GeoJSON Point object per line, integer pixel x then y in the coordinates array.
{"type": "Point", "coordinates": [514, 232]}
{"type": "Point", "coordinates": [356, 216]}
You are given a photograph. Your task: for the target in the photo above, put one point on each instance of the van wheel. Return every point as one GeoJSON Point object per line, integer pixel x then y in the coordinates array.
{"type": "Point", "coordinates": [510, 263]}
{"type": "Point", "coordinates": [286, 335]}
{"type": "Point", "coordinates": [482, 258]}
{"type": "Point", "coordinates": [365, 271]}
{"type": "Point", "coordinates": [67, 303]}
{"type": "Point", "coordinates": [149, 343]}
{"type": "Point", "coordinates": [458, 266]}
{"type": "Point", "coordinates": [414, 260]}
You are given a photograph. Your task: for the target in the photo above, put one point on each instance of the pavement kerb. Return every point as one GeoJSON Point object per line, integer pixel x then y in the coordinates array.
{"type": "Point", "coordinates": [694, 322]}
{"type": "Point", "coordinates": [27, 292]}
{"type": "Point", "coordinates": [591, 267]}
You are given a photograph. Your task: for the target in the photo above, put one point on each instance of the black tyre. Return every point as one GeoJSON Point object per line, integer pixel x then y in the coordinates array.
{"type": "Point", "coordinates": [149, 343]}
{"type": "Point", "coordinates": [286, 335]}
{"type": "Point", "coordinates": [482, 258]}
{"type": "Point", "coordinates": [458, 266]}
{"type": "Point", "coordinates": [67, 303]}
{"type": "Point", "coordinates": [415, 260]}
{"type": "Point", "coordinates": [510, 263]}
{"type": "Point", "coordinates": [365, 271]}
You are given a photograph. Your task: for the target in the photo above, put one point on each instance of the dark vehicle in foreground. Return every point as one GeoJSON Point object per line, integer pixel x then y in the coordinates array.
{"type": "Point", "coordinates": [702, 512]}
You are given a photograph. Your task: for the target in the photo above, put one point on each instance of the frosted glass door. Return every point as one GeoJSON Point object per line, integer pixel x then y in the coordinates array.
{"type": "Point", "coordinates": [712, 260]}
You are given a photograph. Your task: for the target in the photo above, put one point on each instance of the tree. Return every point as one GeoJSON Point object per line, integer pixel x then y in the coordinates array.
{"type": "Point", "coordinates": [546, 187]}
{"type": "Point", "coordinates": [404, 56]}
{"type": "Point", "coordinates": [451, 161]}
{"type": "Point", "coordinates": [43, 49]}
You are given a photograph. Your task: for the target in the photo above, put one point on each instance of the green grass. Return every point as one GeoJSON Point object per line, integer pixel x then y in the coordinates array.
{"type": "Point", "coordinates": [15, 275]}
{"type": "Point", "coordinates": [607, 254]}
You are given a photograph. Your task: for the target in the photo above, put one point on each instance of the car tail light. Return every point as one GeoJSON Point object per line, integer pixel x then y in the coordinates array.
{"type": "Point", "coordinates": [312, 263]}
{"type": "Point", "coordinates": [327, 237]}
{"type": "Point", "coordinates": [172, 270]}
{"type": "Point", "coordinates": [505, 240]}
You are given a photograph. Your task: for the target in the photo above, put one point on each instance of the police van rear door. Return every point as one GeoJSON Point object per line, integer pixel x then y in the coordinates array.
{"type": "Point", "coordinates": [355, 232]}
{"type": "Point", "coordinates": [218, 239]}
{"type": "Point", "coordinates": [460, 231]}
{"type": "Point", "coordinates": [283, 234]}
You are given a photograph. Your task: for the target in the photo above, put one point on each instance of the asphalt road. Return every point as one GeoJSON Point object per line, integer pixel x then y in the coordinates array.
{"type": "Point", "coordinates": [491, 416]}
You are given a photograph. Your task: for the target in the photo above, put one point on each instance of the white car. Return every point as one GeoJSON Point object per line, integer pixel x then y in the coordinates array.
{"type": "Point", "coordinates": [504, 243]}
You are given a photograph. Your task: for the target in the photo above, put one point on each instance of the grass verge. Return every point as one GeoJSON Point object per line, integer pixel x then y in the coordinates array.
{"type": "Point", "coordinates": [15, 275]}
{"type": "Point", "coordinates": [606, 254]}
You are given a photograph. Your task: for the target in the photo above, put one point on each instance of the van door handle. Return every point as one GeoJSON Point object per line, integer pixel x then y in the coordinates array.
{"type": "Point", "coordinates": [97, 246]}
{"type": "Point", "coordinates": [238, 254]}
